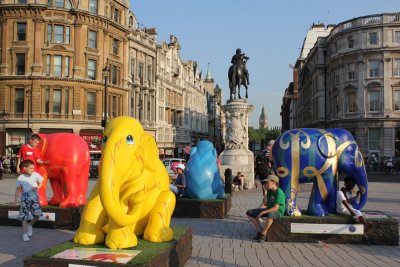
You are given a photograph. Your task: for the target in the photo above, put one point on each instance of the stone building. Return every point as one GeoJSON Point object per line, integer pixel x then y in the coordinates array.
{"type": "Point", "coordinates": [52, 56]}
{"type": "Point", "coordinates": [351, 79]}
{"type": "Point", "coordinates": [55, 56]}
{"type": "Point", "coordinates": [182, 109]}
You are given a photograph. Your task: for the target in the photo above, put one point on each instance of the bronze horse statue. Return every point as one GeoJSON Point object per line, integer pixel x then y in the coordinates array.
{"type": "Point", "coordinates": [237, 77]}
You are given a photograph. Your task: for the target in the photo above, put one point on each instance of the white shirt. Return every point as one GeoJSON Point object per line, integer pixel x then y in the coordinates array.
{"type": "Point", "coordinates": [29, 182]}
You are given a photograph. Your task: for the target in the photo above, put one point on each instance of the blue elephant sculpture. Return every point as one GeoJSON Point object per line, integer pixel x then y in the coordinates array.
{"type": "Point", "coordinates": [316, 155]}
{"type": "Point", "coordinates": [203, 180]}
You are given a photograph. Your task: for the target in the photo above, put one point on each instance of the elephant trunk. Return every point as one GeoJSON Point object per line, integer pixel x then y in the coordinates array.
{"type": "Point", "coordinates": [110, 180]}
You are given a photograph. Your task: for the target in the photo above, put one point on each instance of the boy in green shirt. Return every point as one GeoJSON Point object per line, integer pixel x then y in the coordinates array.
{"type": "Point", "coordinates": [272, 207]}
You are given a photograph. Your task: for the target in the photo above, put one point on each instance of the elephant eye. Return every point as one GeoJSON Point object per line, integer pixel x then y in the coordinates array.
{"type": "Point", "coordinates": [129, 140]}
{"type": "Point", "coordinates": [104, 139]}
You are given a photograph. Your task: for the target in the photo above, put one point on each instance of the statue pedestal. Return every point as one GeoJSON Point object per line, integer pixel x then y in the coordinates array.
{"type": "Point", "coordinates": [236, 155]}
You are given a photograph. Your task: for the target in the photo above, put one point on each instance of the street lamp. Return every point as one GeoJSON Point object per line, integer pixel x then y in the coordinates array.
{"type": "Point", "coordinates": [106, 72]}
{"type": "Point", "coordinates": [28, 94]}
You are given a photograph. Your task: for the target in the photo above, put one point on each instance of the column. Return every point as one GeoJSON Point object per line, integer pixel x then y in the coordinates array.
{"type": "Point", "coordinates": [78, 53]}
{"type": "Point", "coordinates": [4, 50]}
{"type": "Point", "coordinates": [38, 41]}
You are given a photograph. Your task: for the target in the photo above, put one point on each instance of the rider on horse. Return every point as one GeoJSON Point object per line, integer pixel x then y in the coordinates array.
{"type": "Point", "coordinates": [239, 59]}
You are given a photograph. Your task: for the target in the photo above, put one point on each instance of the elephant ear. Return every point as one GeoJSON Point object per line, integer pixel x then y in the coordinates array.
{"type": "Point", "coordinates": [327, 145]}
{"type": "Point", "coordinates": [148, 151]}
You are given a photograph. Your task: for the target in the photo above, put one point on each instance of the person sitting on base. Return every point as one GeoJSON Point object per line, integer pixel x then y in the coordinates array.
{"type": "Point", "coordinates": [272, 207]}
{"type": "Point", "coordinates": [238, 181]}
{"type": "Point", "coordinates": [179, 185]}
{"type": "Point", "coordinates": [346, 196]}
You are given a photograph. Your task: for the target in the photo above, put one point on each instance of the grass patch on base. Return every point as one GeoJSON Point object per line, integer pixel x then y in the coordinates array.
{"type": "Point", "coordinates": [149, 250]}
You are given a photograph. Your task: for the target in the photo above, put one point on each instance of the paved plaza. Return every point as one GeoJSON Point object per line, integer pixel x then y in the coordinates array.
{"type": "Point", "coordinates": [228, 242]}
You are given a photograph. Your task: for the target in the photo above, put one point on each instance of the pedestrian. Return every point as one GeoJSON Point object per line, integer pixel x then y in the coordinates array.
{"type": "Point", "coordinates": [30, 182]}
{"type": "Point", "coordinates": [178, 186]}
{"type": "Point", "coordinates": [272, 207]}
{"type": "Point", "coordinates": [1, 167]}
{"type": "Point", "coordinates": [344, 199]}
{"type": "Point", "coordinates": [31, 152]}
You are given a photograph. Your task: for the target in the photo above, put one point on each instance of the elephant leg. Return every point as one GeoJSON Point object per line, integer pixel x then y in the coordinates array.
{"type": "Point", "coordinates": [82, 185]}
{"type": "Point", "coordinates": [58, 195]}
{"type": "Point", "coordinates": [42, 191]}
{"type": "Point", "coordinates": [158, 228]}
{"type": "Point", "coordinates": [319, 195]}
{"type": "Point", "coordinates": [71, 190]}
{"type": "Point", "coordinates": [92, 221]}
{"type": "Point", "coordinates": [120, 237]}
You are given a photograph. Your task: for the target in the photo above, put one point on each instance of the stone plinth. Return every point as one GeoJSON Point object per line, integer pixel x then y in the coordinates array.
{"type": "Point", "coordinates": [236, 155]}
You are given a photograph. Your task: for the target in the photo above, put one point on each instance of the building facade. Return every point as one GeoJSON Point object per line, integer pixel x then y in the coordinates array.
{"type": "Point", "coordinates": [52, 56]}
{"type": "Point", "coordinates": [60, 59]}
{"type": "Point", "coordinates": [351, 79]}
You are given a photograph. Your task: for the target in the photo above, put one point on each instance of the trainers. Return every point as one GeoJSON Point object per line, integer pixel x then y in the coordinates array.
{"type": "Point", "coordinates": [262, 238]}
{"type": "Point", "coordinates": [25, 237]}
{"type": "Point", "coordinates": [29, 232]}
{"type": "Point", "coordinates": [257, 236]}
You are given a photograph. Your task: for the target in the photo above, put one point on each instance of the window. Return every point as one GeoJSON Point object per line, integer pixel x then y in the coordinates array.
{"type": "Point", "coordinates": [131, 21]}
{"type": "Point", "coordinates": [66, 70]}
{"type": "Point", "coordinates": [115, 44]}
{"type": "Point", "coordinates": [57, 66]}
{"type": "Point", "coordinates": [21, 31]}
{"type": "Point", "coordinates": [22, 1]}
{"type": "Point", "coordinates": [351, 71]}
{"type": "Point", "coordinates": [114, 106]}
{"type": "Point", "coordinates": [351, 102]}
{"type": "Point", "coordinates": [396, 100]}
{"type": "Point", "coordinates": [59, 3]}
{"type": "Point", "coordinates": [114, 74]}
{"type": "Point", "coordinates": [397, 37]}
{"type": "Point", "coordinates": [133, 68]}
{"type": "Point", "coordinates": [116, 15]}
{"type": "Point", "coordinates": [350, 41]}
{"type": "Point", "coordinates": [48, 60]}
{"type": "Point", "coordinates": [373, 138]}
{"type": "Point", "coordinates": [66, 102]}
{"type": "Point", "coordinates": [396, 67]}
{"type": "Point", "coordinates": [335, 104]}
{"type": "Point", "coordinates": [374, 100]}
{"type": "Point", "coordinates": [336, 76]}
{"type": "Point", "coordinates": [373, 38]}
{"type": "Point", "coordinates": [61, 34]}
{"type": "Point", "coordinates": [47, 101]}
{"type": "Point", "coordinates": [91, 103]}
{"type": "Point", "coordinates": [93, 6]}
{"type": "Point", "coordinates": [20, 64]}
{"type": "Point", "coordinates": [19, 100]}
{"type": "Point", "coordinates": [140, 74]}
{"type": "Point", "coordinates": [92, 69]}
{"type": "Point", "coordinates": [56, 101]}
{"type": "Point", "coordinates": [58, 34]}
{"type": "Point", "coordinates": [149, 73]}
{"type": "Point", "coordinates": [92, 39]}
{"type": "Point", "coordinates": [373, 68]}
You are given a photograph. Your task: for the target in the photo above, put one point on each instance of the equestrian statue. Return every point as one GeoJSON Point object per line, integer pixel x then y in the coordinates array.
{"type": "Point", "coordinates": [238, 74]}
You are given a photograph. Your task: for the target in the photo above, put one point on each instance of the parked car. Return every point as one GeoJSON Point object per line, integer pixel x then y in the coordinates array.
{"type": "Point", "coordinates": [94, 165]}
{"type": "Point", "coordinates": [171, 163]}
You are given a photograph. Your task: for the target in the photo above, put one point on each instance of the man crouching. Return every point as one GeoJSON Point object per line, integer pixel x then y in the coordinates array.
{"type": "Point", "coordinates": [272, 207]}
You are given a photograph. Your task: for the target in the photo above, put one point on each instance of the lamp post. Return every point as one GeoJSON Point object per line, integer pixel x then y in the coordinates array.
{"type": "Point", "coordinates": [106, 72]}
{"type": "Point", "coordinates": [28, 94]}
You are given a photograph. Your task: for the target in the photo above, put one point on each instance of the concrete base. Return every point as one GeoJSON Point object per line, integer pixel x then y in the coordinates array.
{"type": "Point", "coordinates": [239, 160]}
{"type": "Point", "coordinates": [177, 254]}
{"type": "Point", "coordinates": [384, 232]}
{"type": "Point", "coordinates": [210, 209]}
{"type": "Point", "coordinates": [53, 217]}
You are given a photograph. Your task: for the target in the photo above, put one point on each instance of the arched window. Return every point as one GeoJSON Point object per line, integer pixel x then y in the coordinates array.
{"type": "Point", "coordinates": [59, 3]}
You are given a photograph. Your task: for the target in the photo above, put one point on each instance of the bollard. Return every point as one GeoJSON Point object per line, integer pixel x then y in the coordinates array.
{"type": "Point", "coordinates": [228, 181]}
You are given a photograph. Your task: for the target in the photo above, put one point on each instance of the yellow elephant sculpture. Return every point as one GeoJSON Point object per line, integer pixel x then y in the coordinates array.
{"type": "Point", "coordinates": [132, 195]}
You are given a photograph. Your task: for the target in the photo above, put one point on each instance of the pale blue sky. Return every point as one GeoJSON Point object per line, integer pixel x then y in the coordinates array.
{"type": "Point", "coordinates": [271, 33]}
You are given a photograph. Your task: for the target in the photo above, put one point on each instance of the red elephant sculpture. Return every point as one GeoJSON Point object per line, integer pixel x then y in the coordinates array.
{"type": "Point", "coordinates": [68, 169]}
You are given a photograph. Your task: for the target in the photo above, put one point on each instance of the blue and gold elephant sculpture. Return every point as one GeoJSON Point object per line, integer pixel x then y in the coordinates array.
{"type": "Point", "coordinates": [316, 155]}
{"type": "Point", "coordinates": [203, 180]}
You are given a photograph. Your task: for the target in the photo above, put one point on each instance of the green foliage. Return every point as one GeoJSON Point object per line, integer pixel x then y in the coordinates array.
{"type": "Point", "coordinates": [262, 136]}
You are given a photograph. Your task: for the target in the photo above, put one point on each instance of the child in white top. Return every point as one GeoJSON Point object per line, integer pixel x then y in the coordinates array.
{"type": "Point", "coordinates": [30, 182]}
{"type": "Point", "coordinates": [345, 197]}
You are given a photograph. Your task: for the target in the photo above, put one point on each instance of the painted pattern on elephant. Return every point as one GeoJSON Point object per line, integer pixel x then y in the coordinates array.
{"type": "Point", "coordinates": [316, 155]}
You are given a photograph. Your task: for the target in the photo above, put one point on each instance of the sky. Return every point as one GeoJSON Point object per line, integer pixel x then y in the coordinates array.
{"type": "Point", "coordinates": [271, 33]}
